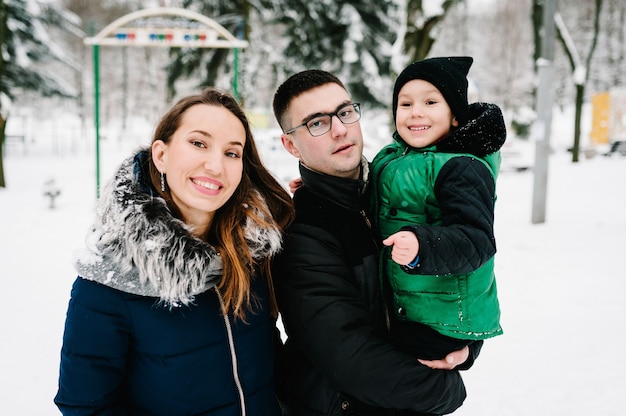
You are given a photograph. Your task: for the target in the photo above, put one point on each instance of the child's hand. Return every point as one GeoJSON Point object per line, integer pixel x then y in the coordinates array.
{"type": "Point", "coordinates": [405, 247]}
{"type": "Point", "coordinates": [451, 360]}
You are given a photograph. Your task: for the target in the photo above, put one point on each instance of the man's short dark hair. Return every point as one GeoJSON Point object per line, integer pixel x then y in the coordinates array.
{"type": "Point", "coordinates": [298, 84]}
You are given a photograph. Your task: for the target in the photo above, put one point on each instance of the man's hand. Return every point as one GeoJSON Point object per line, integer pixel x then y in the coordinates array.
{"type": "Point", "coordinates": [405, 247]}
{"type": "Point", "coordinates": [451, 360]}
{"type": "Point", "coordinates": [294, 184]}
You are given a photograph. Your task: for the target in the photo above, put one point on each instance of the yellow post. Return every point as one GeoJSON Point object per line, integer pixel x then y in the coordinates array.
{"type": "Point", "coordinates": [601, 111]}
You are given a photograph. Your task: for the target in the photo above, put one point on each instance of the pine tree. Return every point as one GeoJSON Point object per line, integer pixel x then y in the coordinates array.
{"type": "Point", "coordinates": [350, 39]}
{"type": "Point", "coordinates": [25, 49]}
{"type": "Point", "coordinates": [209, 63]}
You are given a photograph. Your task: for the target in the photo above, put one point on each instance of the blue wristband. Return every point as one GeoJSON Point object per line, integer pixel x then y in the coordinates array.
{"type": "Point", "coordinates": [414, 262]}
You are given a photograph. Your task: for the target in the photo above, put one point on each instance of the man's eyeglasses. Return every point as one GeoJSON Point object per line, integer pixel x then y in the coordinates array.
{"type": "Point", "coordinates": [321, 123]}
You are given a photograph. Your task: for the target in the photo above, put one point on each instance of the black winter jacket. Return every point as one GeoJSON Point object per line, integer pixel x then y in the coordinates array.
{"type": "Point", "coordinates": [337, 359]}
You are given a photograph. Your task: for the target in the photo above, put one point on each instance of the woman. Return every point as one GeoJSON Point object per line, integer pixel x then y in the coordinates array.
{"type": "Point", "coordinates": [173, 312]}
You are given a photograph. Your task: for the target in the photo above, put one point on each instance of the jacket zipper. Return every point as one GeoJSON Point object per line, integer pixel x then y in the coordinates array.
{"type": "Point", "coordinates": [367, 221]}
{"type": "Point", "coordinates": [383, 287]}
{"type": "Point", "coordinates": [233, 354]}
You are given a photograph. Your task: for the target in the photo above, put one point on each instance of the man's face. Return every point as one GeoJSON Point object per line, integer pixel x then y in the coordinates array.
{"type": "Point", "coordinates": [336, 152]}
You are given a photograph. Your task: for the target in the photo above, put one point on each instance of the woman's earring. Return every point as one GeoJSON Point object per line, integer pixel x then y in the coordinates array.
{"type": "Point", "coordinates": [162, 182]}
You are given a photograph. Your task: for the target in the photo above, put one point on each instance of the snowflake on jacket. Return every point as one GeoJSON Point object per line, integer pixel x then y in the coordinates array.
{"type": "Point", "coordinates": [445, 194]}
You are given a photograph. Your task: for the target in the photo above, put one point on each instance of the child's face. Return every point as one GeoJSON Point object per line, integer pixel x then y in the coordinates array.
{"type": "Point", "coordinates": [423, 116]}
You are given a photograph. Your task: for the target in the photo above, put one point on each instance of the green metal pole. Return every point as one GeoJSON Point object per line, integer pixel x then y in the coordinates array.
{"type": "Point", "coordinates": [239, 35]}
{"type": "Point", "coordinates": [236, 75]}
{"type": "Point", "coordinates": [96, 73]}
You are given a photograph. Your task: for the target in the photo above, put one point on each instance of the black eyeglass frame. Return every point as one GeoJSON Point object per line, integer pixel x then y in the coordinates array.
{"type": "Point", "coordinates": [357, 110]}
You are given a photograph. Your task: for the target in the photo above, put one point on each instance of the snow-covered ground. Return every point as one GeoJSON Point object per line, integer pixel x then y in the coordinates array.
{"type": "Point", "coordinates": [561, 283]}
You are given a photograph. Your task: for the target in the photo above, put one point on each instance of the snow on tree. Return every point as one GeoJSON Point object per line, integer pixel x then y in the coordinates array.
{"type": "Point", "coordinates": [418, 28]}
{"type": "Point", "coordinates": [351, 39]}
{"type": "Point", "coordinates": [358, 41]}
{"type": "Point", "coordinates": [25, 50]}
{"type": "Point", "coordinates": [212, 65]}
{"type": "Point", "coordinates": [580, 67]}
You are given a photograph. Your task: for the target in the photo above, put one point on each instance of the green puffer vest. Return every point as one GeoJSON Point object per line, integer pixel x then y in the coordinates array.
{"type": "Point", "coordinates": [459, 306]}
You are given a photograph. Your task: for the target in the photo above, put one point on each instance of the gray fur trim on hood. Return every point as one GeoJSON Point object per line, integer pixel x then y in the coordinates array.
{"type": "Point", "coordinates": [138, 247]}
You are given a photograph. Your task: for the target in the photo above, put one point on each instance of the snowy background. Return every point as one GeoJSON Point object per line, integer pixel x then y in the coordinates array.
{"type": "Point", "coordinates": [561, 283]}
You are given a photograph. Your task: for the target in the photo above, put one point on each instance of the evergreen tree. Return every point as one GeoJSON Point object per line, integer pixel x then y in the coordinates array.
{"type": "Point", "coordinates": [351, 39]}
{"type": "Point", "coordinates": [209, 63]}
{"type": "Point", "coordinates": [26, 49]}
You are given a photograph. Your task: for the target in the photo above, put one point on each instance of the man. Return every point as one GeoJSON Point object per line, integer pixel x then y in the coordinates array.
{"type": "Point", "coordinates": [326, 278]}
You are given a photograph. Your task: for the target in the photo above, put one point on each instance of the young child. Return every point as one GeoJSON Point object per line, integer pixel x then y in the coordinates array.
{"type": "Point", "coordinates": [433, 202]}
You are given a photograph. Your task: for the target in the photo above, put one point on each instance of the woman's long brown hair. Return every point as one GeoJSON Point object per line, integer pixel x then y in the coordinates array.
{"type": "Point", "coordinates": [226, 232]}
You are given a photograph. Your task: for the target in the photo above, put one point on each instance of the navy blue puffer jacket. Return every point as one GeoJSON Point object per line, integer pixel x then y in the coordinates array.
{"type": "Point", "coordinates": [125, 355]}
{"type": "Point", "coordinates": [145, 333]}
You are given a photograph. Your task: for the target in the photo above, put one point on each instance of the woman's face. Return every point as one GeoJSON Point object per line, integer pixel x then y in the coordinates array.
{"type": "Point", "coordinates": [202, 162]}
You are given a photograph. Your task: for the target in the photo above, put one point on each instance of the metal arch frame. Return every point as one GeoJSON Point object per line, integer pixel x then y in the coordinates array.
{"type": "Point", "coordinates": [230, 41]}
{"type": "Point", "coordinates": [103, 38]}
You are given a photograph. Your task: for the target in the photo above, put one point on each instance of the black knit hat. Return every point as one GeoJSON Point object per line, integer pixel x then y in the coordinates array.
{"type": "Point", "coordinates": [448, 74]}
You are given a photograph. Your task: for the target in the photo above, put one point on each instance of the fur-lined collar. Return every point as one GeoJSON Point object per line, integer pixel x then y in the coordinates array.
{"type": "Point", "coordinates": [137, 246]}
